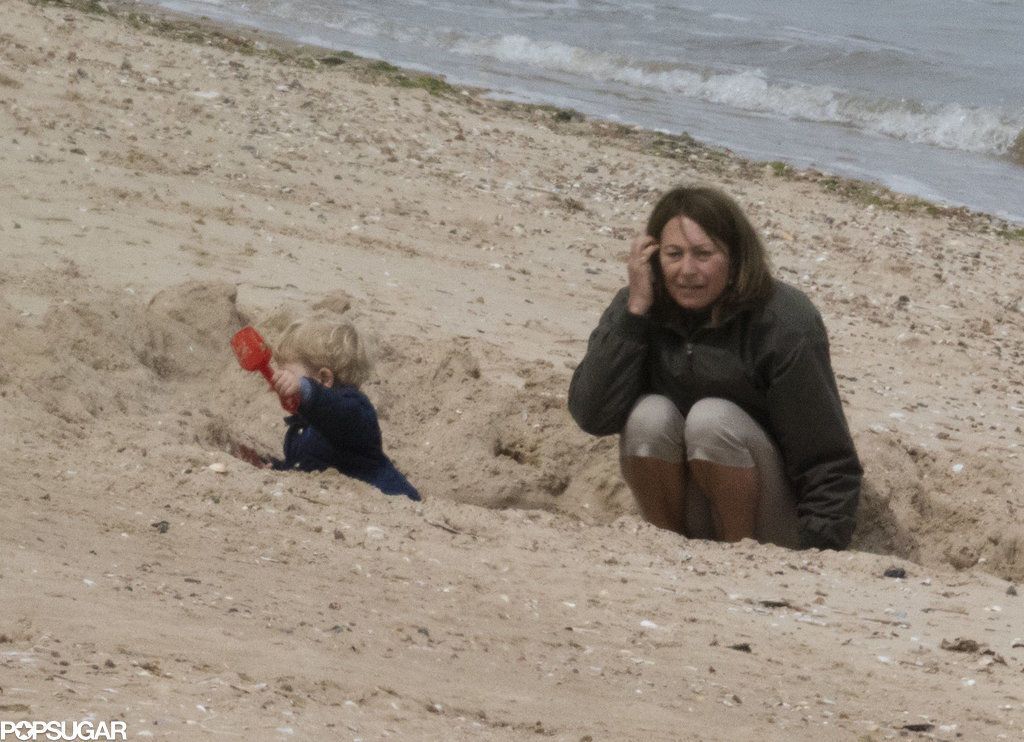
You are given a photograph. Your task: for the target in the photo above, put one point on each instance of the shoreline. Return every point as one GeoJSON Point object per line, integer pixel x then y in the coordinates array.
{"type": "Point", "coordinates": [253, 40]}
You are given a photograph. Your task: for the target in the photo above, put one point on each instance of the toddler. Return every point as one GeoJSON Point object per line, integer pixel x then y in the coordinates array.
{"type": "Point", "coordinates": [322, 364]}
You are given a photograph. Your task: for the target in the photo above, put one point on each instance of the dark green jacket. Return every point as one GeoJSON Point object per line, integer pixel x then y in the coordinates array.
{"type": "Point", "coordinates": [773, 361]}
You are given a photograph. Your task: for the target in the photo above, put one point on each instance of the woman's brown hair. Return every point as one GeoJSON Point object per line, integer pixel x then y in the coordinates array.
{"type": "Point", "coordinates": [721, 218]}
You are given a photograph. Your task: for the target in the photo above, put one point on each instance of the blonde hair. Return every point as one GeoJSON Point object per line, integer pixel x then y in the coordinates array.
{"type": "Point", "coordinates": [319, 343]}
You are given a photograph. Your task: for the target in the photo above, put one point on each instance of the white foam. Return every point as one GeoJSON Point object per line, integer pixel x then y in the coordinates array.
{"type": "Point", "coordinates": [731, 17]}
{"type": "Point", "coordinates": [952, 126]}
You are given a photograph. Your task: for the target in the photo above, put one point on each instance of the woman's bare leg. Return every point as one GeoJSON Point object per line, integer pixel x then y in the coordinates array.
{"type": "Point", "coordinates": [658, 487]}
{"type": "Point", "coordinates": [734, 494]}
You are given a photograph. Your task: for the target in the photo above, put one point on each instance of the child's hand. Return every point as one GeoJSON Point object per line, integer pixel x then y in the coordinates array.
{"type": "Point", "coordinates": [287, 383]}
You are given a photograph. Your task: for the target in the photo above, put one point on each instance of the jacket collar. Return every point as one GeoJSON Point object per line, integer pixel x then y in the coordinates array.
{"type": "Point", "coordinates": [671, 316]}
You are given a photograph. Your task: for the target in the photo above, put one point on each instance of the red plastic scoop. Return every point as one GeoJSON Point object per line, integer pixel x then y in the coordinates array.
{"type": "Point", "coordinates": [254, 355]}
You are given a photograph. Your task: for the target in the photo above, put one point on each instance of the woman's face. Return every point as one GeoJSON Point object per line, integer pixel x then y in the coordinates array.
{"type": "Point", "coordinates": [696, 269]}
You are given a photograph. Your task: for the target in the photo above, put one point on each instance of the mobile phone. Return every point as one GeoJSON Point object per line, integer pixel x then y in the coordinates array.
{"type": "Point", "coordinates": [657, 277]}
{"type": "Point", "coordinates": [655, 261]}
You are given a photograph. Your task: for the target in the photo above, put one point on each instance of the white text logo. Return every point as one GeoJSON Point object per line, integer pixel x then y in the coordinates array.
{"type": "Point", "coordinates": [64, 731]}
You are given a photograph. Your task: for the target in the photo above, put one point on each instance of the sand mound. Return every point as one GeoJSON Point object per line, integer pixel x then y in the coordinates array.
{"type": "Point", "coordinates": [912, 506]}
{"type": "Point", "coordinates": [185, 329]}
{"type": "Point", "coordinates": [465, 422]}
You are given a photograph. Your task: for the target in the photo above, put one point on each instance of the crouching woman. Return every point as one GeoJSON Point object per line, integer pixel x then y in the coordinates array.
{"type": "Point", "coordinates": [718, 381]}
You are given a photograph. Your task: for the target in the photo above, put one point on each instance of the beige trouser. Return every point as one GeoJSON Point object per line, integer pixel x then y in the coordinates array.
{"type": "Point", "coordinates": [718, 431]}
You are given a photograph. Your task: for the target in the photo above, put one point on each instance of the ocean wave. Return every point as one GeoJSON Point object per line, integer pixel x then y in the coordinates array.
{"type": "Point", "coordinates": [731, 17]}
{"type": "Point", "coordinates": [952, 126]}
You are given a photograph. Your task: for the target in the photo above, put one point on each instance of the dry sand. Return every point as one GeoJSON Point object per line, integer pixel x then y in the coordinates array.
{"type": "Point", "coordinates": [164, 183]}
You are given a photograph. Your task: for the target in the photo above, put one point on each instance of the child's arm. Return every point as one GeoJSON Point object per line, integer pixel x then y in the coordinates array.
{"type": "Point", "coordinates": [342, 415]}
{"type": "Point", "coordinates": [286, 383]}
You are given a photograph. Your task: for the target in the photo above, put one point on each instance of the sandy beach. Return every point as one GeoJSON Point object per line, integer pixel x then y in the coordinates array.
{"type": "Point", "coordinates": [166, 182]}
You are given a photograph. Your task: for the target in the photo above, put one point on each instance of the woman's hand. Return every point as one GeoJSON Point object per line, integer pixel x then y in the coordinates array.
{"type": "Point", "coordinates": [641, 274]}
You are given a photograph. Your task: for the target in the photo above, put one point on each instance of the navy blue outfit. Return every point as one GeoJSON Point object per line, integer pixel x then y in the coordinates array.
{"type": "Point", "coordinates": [337, 427]}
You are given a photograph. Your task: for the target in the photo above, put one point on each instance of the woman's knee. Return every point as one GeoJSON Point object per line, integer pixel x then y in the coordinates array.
{"type": "Point", "coordinates": [719, 431]}
{"type": "Point", "coordinates": [654, 429]}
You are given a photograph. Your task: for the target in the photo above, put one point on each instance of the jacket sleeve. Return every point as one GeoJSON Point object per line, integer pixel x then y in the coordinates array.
{"type": "Point", "coordinates": [612, 374]}
{"type": "Point", "coordinates": [808, 421]}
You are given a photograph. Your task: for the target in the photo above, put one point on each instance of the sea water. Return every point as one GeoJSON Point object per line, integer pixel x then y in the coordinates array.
{"type": "Point", "coordinates": [926, 97]}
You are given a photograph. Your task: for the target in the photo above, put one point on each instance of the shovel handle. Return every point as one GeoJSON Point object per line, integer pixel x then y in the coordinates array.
{"type": "Point", "coordinates": [254, 355]}
{"type": "Point", "coordinates": [290, 404]}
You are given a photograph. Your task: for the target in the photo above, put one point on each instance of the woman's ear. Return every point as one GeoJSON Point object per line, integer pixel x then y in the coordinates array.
{"type": "Point", "coordinates": [326, 377]}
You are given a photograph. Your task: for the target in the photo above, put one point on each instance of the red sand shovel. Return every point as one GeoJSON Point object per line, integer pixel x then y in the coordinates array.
{"type": "Point", "coordinates": [254, 355]}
